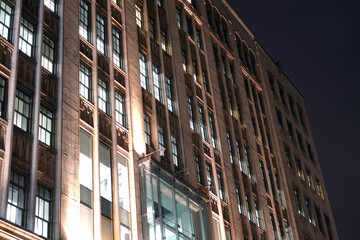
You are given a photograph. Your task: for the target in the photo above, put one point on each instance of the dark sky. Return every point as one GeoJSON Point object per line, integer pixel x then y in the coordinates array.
{"type": "Point", "coordinates": [317, 42]}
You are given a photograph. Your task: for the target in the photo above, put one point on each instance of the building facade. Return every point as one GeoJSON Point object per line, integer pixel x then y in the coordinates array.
{"type": "Point", "coordinates": [150, 119]}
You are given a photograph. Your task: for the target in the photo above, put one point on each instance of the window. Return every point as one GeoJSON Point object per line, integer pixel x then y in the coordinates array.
{"type": "Point", "coordinates": [157, 84]}
{"type": "Point", "coordinates": [237, 143]}
{"type": "Point", "coordinates": [15, 211]}
{"type": "Point", "coordinates": [263, 174]}
{"type": "Point", "coordinates": [199, 38]}
{"type": "Point", "coordinates": [42, 212]}
{"type": "Point", "coordinates": [26, 40]}
{"type": "Point", "coordinates": [46, 126]}
{"type": "Point", "coordinates": [190, 28]}
{"type": "Point", "coordinates": [48, 54]}
{"type": "Point", "coordinates": [309, 211]}
{"type": "Point", "coordinates": [319, 188]}
{"type": "Point", "coordinates": [298, 202]}
{"type": "Point", "coordinates": [301, 116]}
{"type": "Point", "coordinates": [274, 226]}
{"type": "Point", "coordinates": [169, 94]}
{"type": "Point", "coordinates": [318, 216]}
{"type": "Point", "coordinates": [310, 152]}
{"type": "Point", "coordinates": [143, 72]}
{"type": "Point", "coordinates": [291, 103]}
{"type": "Point", "coordinates": [85, 167]}
{"type": "Point", "coordinates": [50, 4]}
{"type": "Point", "coordinates": [249, 208]}
{"type": "Point", "coordinates": [230, 147]}
{"type": "Point", "coordinates": [120, 109]}
{"type": "Point", "coordinates": [85, 82]}
{"type": "Point", "coordinates": [209, 177]}
{"type": "Point", "coordinates": [213, 132]}
{"type": "Point", "coordinates": [247, 157]}
{"type": "Point", "coordinates": [164, 41]}
{"type": "Point", "coordinates": [178, 18]}
{"type": "Point", "coordinates": [184, 62]}
{"type": "Point", "coordinates": [221, 187]}
{"type": "Point", "coordinates": [328, 226]}
{"type": "Point", "coordinates": [174, 148]}
{"type": "Point", "coordinates": [105, 179]}
{"type": "Point", "coordinates": [151, 27]}
{"type": "Point", "coordinates": [309, 179]}
{"type": "Point", "coordinates": [258, 215]}
{"type": "Point", "coordinates": [139, 15]}
{"type": "Point", "coordinates": [282, 94]}
{"type": "Point", "coordinates": [160, 3]}
{"type": "Point", "coordinates": [123, 177]}
{"type": "Point", "coordinates": [84, 20]}
{"type": "Point", "coordinates": [299, 169]}
{"type": "Point", "coordinates": [161, 137]}
{"type": "Point", "coordinates": [280, 192]}
{"type": "Point", "coordinates": [239, 201]}
{"type": "Point", "coordinates": [291, 131]}
{"type": "Point", "coordinates": [203, 127]}
{"type": "Point", "coordinates": [300, 140]}
{"type": "Point", "coordinates": [103, 96]}
{"type": "Point", "coordinates": [117, 49]}
{"type": "Point", "coordinates": [279, 118]}
{"type": "Point", "coordinates": [6, 12]}
{"type": "Point", "coordinates": [147, 129]}
{"type": "Point", "coordinates": [22, 110]}
{"type": "Point", "coordinates": [288, 157]}
{"type": "Point", "coordinates": [2, 97]}
{"type": "Point", "coordinates": [198, 169]}
{"type": "Point", "coordinates": [195, 71]}
{"type": "Point", "coordinates": [205, 81]}
{"type": "Point", "coordinates": [191, 113]}
{"type": "Point", "coordinates": [100, 34]}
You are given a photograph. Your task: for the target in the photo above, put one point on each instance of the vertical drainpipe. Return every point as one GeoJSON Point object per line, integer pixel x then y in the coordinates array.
{"type": "Point", "coordinates": [96, 167]}
{"type": "Point", "coordinates": [114, 166]}
{"type": "Point", "coordinates": [58, 132]}
{"type": "Point", "coordinates": [5, 174]}
{"type": "Point", "coordinates": [35, 145]}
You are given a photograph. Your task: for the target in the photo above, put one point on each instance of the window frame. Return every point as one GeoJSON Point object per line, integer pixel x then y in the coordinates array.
{"type": "Point", "coordinates": [43, 195]}
{"type": "Point", "coordinates": [27, 30]}
{"type": "Point", "coordinates": [46, 116]}
{"type": "Point", "coordinates": [103, 96]}
{"type": "Point", "coordinates": [84, 20]}
{"type": "Point", "coordinates": [101, 34]}
{"type": "Point", "coordinates": [8, 23]}
{"type": "Point", "coordinates": [48, 54]}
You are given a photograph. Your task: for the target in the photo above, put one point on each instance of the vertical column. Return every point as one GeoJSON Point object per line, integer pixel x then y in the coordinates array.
{"type": "Point", "coordinates": [114, 166]}
{"type": "Point", "coordinates": [58, 138]}
{"type": "Point", "coordinates": [96, 168]}
{"type": "Point", "coordinates": [5, 174]}
{"type": "Point", "coordinates": [35, 145]}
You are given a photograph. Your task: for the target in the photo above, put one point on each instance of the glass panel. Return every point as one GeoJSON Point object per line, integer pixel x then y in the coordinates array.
{"type": "Point", "coordinates": [183, 215]}
{"type": "Point", "coordinates": [167, 204]}
{"type": "Point", "coordinates": [123, 183]}
{"type": "Point", "coordinates": [85, 168]}
{"type": "Point", "coordinates": [105, 172]}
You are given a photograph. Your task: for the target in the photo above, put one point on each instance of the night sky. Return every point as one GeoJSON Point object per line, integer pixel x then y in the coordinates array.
{"type": "Point", "coordinates": [317, 42]}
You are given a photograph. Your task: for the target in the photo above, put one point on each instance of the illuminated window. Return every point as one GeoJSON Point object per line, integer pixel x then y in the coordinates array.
{"type": "Point", "coordinates": [191, 113]}
{"type": "Point", "coordinates": [248, 163]}
{"type": "Point", "coordinates": [213, 132]}
{"type": "Point", "coordinates": [84, 20]}
{"type": "Point", "coordinates": [22, 110]}
{"type": "Point", "coordinates": [147, 129]}
{"type": "Point", "coordinates": [26, 41]}
{"type": "Point", "coordinates": [238, 150]}
{"type": "Point", "coordinates": [239, 201]}
{"type": "Point", "coordinates": [298, 202]}
{"type": "Point", "coordinates": [105, 179]}
{"type": "Point", "coordinates": [299, 169]}
{"type": "Point", "coordinates": [222, 191]}
{"type": "Point", "coordinates": [160, 3]}
{"type": "Point", "coordinates": [139, 15]}
{"type": "Point", "coordinates": [50, 4]}
{"type": "Point", "coordinates": [195, 71]}
{"type": "Point", "coordinates": [280, 192]}
{"type": "Point", "coordinates": [249, 208]}
{"type": "Point", "coordinates": [103, 96]}
{"type": "Point", "coordinates": [6, 12]}
{"type": "Point", "coordinates": [2, 97]}
{"type": "Point", "coordinates": [117, 49]}
{"type": "Point", "coordinates": [158, 90]}
{"type": "Point", "coordinates": [184, 61]}
{"type": "Point", "coordinates": [15, 211]}
{"type": "Point", "coordinates": [85, 82]}
{"type": "Point", "coordinates": [48, 54]}
{"type": "Point", "coordinates": [120, 109]}
{"type": "Point", "coordinates": [46, 123]}
{"type": "Point", "coordinates": [164, 42]}
{"type": "Point", "coordinates": [143, 72]}
{"type": "Point", "coordinates": [230, 147]}
{"type": "Point", "coordinates": [85, 167]}
{"type": "Point", "coordinates": [42, 212]}
{"type": "Point", "coordinates": [174, 148]}
{"type": "Point", "coordinates": [309, 211]}
{"type": "Point", "coordinates": [258, 214]}
{"type": "Point", "coordinates": [310, 179]}
{"type": "Point", "coordinates": [209, 178]}
{"type": "Point", "coordinates": [100, 33]}
{"type": "Point", "coordinates": [161, 137]}
{"type": "Point", "coordinates": [203, 127]}
{"type": "Point", "coordinates": [319, 188]}
{"type": "Point", "coordinates": [169, 94]}
{"type": "Point", "coordinates": [123, 179]}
